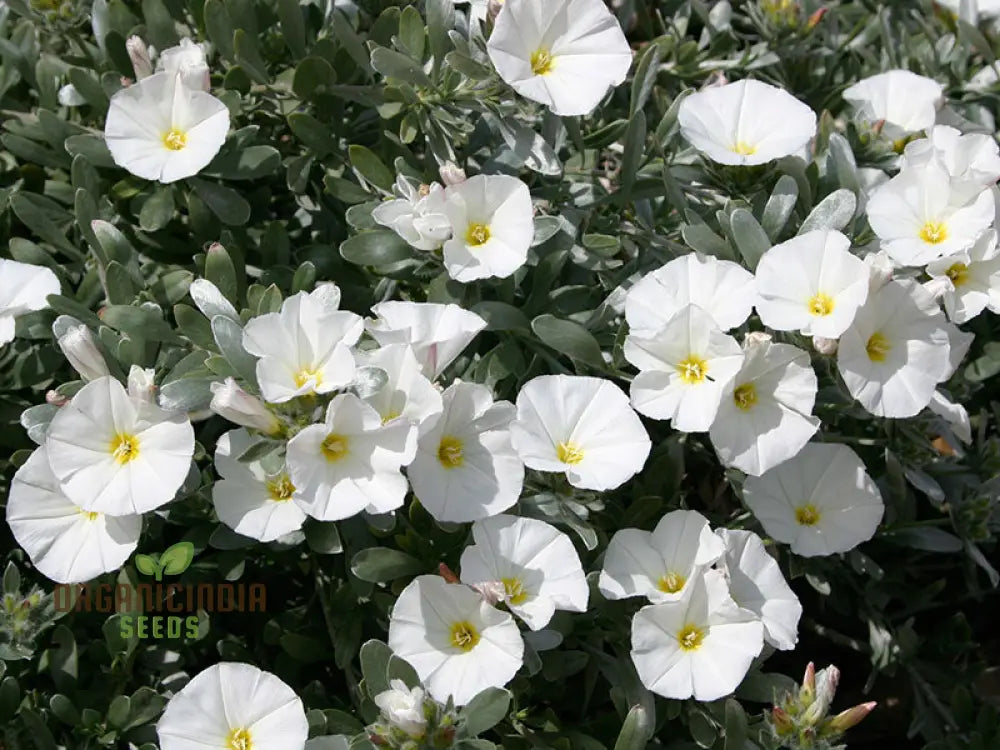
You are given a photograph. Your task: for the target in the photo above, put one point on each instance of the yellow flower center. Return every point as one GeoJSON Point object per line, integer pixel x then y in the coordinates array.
{"type": "Point", "coordinates": [690, 637]}
{"type": "Point", "coordinates": [125, 448]}
{"type": "Point", "coordinates": [88, 514]}
{"type": "Point", "coordinates": [670, 582]}
{"type": "Point", "coordinates": [389, 417]}
{"type": "Point", "coordinates": [464, 635]}
{"type": "Point", "coordinates": [958, 273]}
{"type": "Point", "coordinates": [281, 489]}
{"type": "Point", "coordinates": [821, 305]}
{"type": "Point", "coordinates": [743, 148]}
{"type": "Point", "coordinates": [542, 62]}
{"type": "Point", "coordinates": [807, 515]}
{"type": "Point", "coordinates": [309, 375]}
{"type": "Point", "coordinates": [450, 452]}
{"type": "Point", "coordinates": [477, 234]}
{"type": "Point", "coordinates": [569, 453]}
{"type": "Point", "coordinates": [934, 232]}
{"type": "Point", "coordinates": [693, 370]}
{"type": "Point", "coordinates": [877, 347]}
{"type": "Point", "coordinates": [239, 739]}
{"type": "Point", "coordinates": [175, 139]}
{"type": "Point", "coordinates": [335, 447]}
{"type": "Point", "coordinates": [745, 396]}
{"type": "Point", "coordinates": [514, 589]}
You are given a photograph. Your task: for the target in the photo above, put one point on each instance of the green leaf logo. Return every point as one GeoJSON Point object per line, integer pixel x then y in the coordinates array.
{"type": "Point", "coordinates": [174, 561]}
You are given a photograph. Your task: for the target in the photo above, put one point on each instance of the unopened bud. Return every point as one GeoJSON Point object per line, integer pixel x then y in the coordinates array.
{"type": "Point", "coordinates": [238, 406]}
{"type": "Point", "coordinates": [447, 573]}
{"type": "Point", "coordinates": [55, 398]}
{"type": "Point", "coordinates": [493, 9]}
{"type": "Point", "coordinates": [827, 347]}
{"type": "Point", "coordinates": [849, 718]}
{"type": "Point", "coordinates": [781, 721]}
{"type": "Point", "coordinates": [77, 344]}
{"type": "Point", "coordinates": [140, 384]}
{"type": "Point", "coordinates": [880, 270]}
{"type": "Point", "coordinates": [808, 691]}
{"type": "Point", "coordinates": [815, 18]}
{"type": "Point", "coordinates": [189, 61]}
{"type": "Point", "coordinates": [826, 687]}
{"type": "Point", "coordinates": [138, 53]}
{"type": "Point", "coordinates": [451, 174]}
{"type": "Point", "coordinates": [756, 338]}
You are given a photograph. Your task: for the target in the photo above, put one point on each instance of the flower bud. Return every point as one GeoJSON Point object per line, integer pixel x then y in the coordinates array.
{"type": "Point", "coordinates": [189, 60]}
{"type": "Point", "coordinates": [493, 9]}
{"type": "Point", "coordinates": [140, 383]}
{"type": "Point", "coordinates": [447, 573]}
{"type": "Point", "coordinates": [236, 405]}
{"type": "Point", "coordinates": [826, 688]}
{"type": "Point", "coordinates": [815, 18]}
{"type": "Point", "coordinates": [403, 708]}
{"type": "Point", "coordinates": [849, 718]}
{"type": "Point", "coordinates": [781, 721]}
{"type": "Point", "coordinates": [827, 347]}
{"type": "Point", "coordinates": [880, 269]}
{"type": "Point", "coordinates": [808, 691]}
{"type": "Point", "coordinates": [451, 174]}
{"type": "Point", "coordinates": [78, 346]}
{"type": "Point", "coordinates": [756, 338]}
{"type": "Point", "coordinates": [138, 53]}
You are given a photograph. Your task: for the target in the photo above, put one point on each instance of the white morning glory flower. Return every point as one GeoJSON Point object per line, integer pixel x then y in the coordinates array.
{"type": "Point", "coordinates": [580, 426]}
{"type": "Point", "coordinates": [66, 543]}
{"type": "Point", "coordinates": [23, 288]}
{"type": "Point", "coordinates": [973, 279]}
{"type": "Point", "coordinates": [971, 160]}
{"type": "Point", "coordinates": [438, 333]}
{"type": "Point", "coordinates": [922, 214]}
{"type": "Point", "coordinates": [684, 369]}
{"type": "Point", "coordinates": [904, 102]}
{"type": "Point", "coordinates": [160, 129]}
{"type": "Point", "coordinates": [724, 289]}
{"type": "Point", "coordinates": [233, 706]}
{"type": "Point", "coordinates": [536, 563]}
{"type": "Point", "coordinates": [249, 499]}
{"type": "Point", "coordinates": [306, 347]}
{"type": "Point", "coordinates": [821, 502]}
{"type": "Point", "coordinates": [116, 454]}
{"type": "Point", "coordinates": [699, 646]}
{"type": "Point", "coordinates": [746, 123]}
{"type": "Point", "coordinates": [897, 350]}
{"type": "Point", "coordinates": [407, 392]}
{"type": "Point", "coordinates": [465, 468]}
{"type": "Point", "coordinates": [660, 564]}
{"type": "Point", "coordinates": [351, 462]}
{"type": "Point", "coordinates": [756, 583]}
{"type": "Point", "coordinates": [564, 54]}
{"type": "Point", "coordinates": [458, 644]}
{"type": "Point", "coordinates": [417, 214]}
{"type": "Point", "coordinates": [812, 284]}
{"type": "Point", "coordinates": [492, 226]}
{"type": "Point", "coordinates": [766, 414]}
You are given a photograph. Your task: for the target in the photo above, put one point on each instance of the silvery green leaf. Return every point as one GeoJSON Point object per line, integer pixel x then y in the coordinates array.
{"type": "Point", "coordinates": [835, 211]}
{"type": "Point", "coordinates": [36, 419]}
{"type": "Point", "coordinates": [229, 337]}
{"type": "Point", "coordinates": [211, 301]}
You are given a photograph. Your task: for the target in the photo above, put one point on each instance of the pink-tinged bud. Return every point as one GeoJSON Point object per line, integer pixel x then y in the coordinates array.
{"type": "Point", "coordinates": [77, 344]}
{"type": "Point", "coordinates": [826, 681]}
{"type": "Point", "coordinates": [782, 721]}
{"type": "Point", "coordinates": [55, 398]}
{"type": "Point", "coordinates": [849, 718]}
{"type": "Point", "coordinates": [447, 573]}
{"type": "Point", "coordinates": [138, 53]}
{"type": "Point", "coordinates": [493, 592]}
{"type": "Point", "coordinates": [493, 9]}
{"type": "Point", "coordinates": [451, 174]}
{"type": "Point", "coordinates": [826, 347]}
{"type": "Point", "coordinates": [809, 682]}
{"type": "Point", "coordinates": [238, 406]}
{"type": "Point", "coordinates": [815, 18]}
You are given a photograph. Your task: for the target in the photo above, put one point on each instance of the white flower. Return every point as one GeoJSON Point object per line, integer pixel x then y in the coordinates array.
{"type": "Point", "coordinates": [905, 102]}
{"type": "Point", "coordinates": [142, 384]}
{"type": "Point", "coordinates": [23, 288]}
{"type": "Point", "coordinates": [811, 284]}
{"type": "Point", "coordinates": [351, 462]}
{"type": "Point", "coordinates": [700, 646]}
{"type": "Point", "coordinates": [417, 215]}
{"type": "Point", "coordinates": [492, 226]}
{"type": "Point", "coordinates": [756, 583]}
{"type": "Point", "coordinates": [746, 123]}
{"type": "Point", "coordinates": [304, 348]}
{"type": "Point", "coordinates": [249, 499]}
{"type": "Point", "coordinates": [896, 351]}
{"type": "Point", "coordinates": [821, 502]}
{"type": "Point", "coordinates": [766, 414]}
{"type": "Point", "coordinates": [159, 129]}
{"type": "Point", "coordinates": [580, 426]}
{"type": "Point", "coordinates": [466, 468]}
{"type": "Point", "coordinates": [954, 414]}
{"type": "Point", "coordinates": [403, 708]}
{"type": "Point", "coordinates": [722, 288]}
{"type": "Point", "coordinates": [660, 564]}
{"type": "Point", "coordinates": [536, 563]}
{"type": "Point", "coordinates": [235, 404]}
{"type": "Point", "coordinates": [232, 706]}
{"type": "Point", "coordinates": [972, 160]}
{"type": "Point", "coordinates": [407, 392]}
{"type": "Point", "coordinates": [973, 279]}
{"type": "Point", "coordinates": [118, 455]}
{"type": "Point", "coordinates": [921, 214]}
{"type": "Point", "coordinates": [189, 60]}
{"type": "Point", "coordinates": [68, 96]}
{"type": "Point", "coordinates": [65, 542]}
{"type": "Point", "coordinates": [77, 345]}
{"type": "Point", "coordinates": [984, 8]}
{"type": "Point", "coordinates": [458, 644]}
{"type": "Point", "coordinates": [683, 369]}
{"type": "Point", "coordinates": [438, 333]}
{"type": "Point", "coordinates": [565, 54]}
